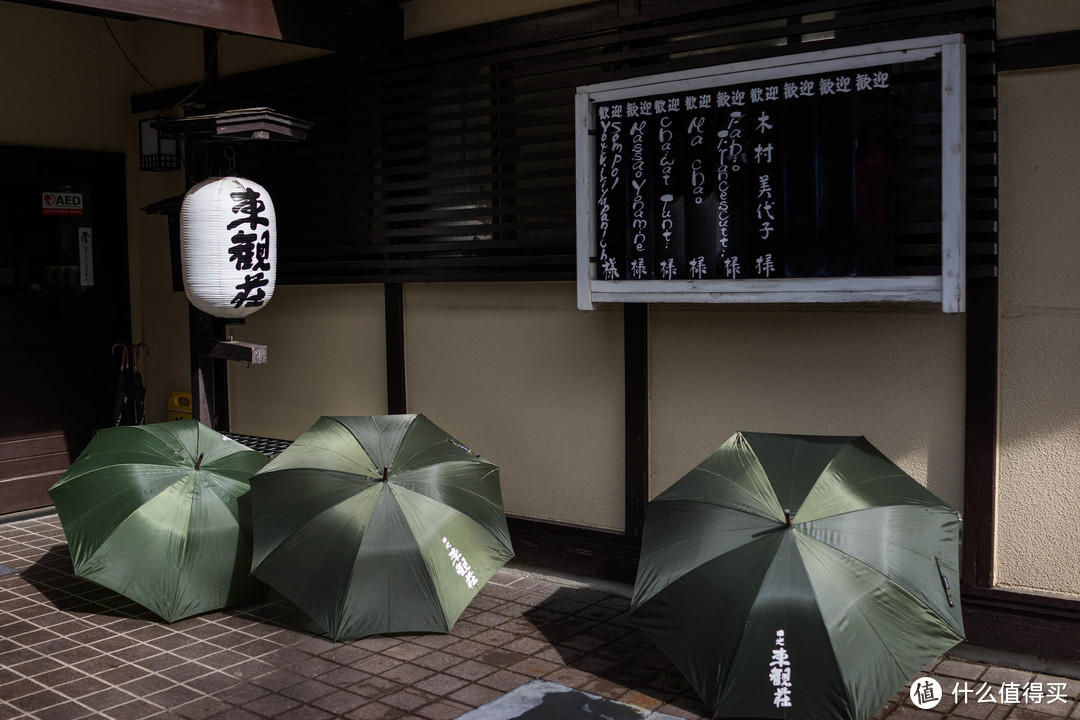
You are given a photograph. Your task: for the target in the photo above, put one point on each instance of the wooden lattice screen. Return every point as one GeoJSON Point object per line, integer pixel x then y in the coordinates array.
{"type": "Point", "coordinates": [455, 160]}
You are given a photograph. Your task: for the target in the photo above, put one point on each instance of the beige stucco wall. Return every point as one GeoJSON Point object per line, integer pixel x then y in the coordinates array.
{"type": "Point", "coordinates": [1038, 527]}
{"type": "Point", "coordinates": [893, 375]}
{"type": "Point", "coordinates": [1016, 18]}
{"type": "Point", "coordinates": [62, 83]}
{"type": "Point", "coordinates": [327, 356]}
{"type": "Point", "coordinates": [522, 377]}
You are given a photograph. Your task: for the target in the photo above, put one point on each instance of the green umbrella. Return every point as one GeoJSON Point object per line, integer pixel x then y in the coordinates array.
{"type": "Point", "coordinates": [798, 577]}
{"type": "Point", "coordinates": [151, 511]}
{"type": "Point", "coordinates": [378, 524]}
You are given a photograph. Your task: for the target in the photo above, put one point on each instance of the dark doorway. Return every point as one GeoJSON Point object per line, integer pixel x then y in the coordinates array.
{"type": "Point", "coordinates": [63, 303]}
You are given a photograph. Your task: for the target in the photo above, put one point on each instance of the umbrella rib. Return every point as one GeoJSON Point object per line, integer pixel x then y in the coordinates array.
{"type": "Point", "coordinates": [400, 483]}
{"type": "Point", "coordinates": [143, 559]}
{"type": "Point", "coordinates": [121, 463]}
{"type": "Point", "coordinates": [455, 511]}
{"type": "Point", "coordinates": [183, 542]}
{"type": "Point", "coordinates": [315, 562]}
{"type": "Point", "coordinates": [865, 564]}
{"type": "Point", "coordinates": [885, 645]}
{"type": "Point", "coordinates": [418, 452]}
{"type": "Point", "coordinates": [106, 500]}
{"type": "Point", "coordinates": [309, 519]}
{"type": "Point", "coordinates": [733, 484]}
{"type": "Point", "coordinates": [343, 456]}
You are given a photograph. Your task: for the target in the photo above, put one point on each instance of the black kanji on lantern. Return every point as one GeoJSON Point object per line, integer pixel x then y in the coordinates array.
{"type": "Point", "coordinates": [246, 251]}
{"type": "Point", "coordinates": [249, 206]}
{"type": "Point", "coordinates": [242, 250]}
{"type": "Point", "coordinates": [250, 250]}
{"type": "Point", "coordinates": [251, 291]}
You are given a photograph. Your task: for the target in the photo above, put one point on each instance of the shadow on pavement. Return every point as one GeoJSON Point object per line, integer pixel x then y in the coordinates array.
{"type": "Point", "coordinates": [591, 632]}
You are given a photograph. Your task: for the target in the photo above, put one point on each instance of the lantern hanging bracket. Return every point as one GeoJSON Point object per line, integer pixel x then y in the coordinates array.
{"type": "Point", "coordinates": [246, 125]}
{"type": "Point", "coordinates": [230, 158]}
{"type": "Point", "coordinates": [234, 350]}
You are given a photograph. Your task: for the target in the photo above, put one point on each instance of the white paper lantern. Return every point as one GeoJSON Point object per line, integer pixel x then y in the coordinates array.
{"type": "Point", "coordinates": [228, 246]}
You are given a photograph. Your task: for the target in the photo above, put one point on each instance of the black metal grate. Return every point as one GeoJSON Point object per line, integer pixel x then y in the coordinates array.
{"type": "Point", "coordinates": [455, 161]}
{"type": "Point", "coordinates": [270, 447]}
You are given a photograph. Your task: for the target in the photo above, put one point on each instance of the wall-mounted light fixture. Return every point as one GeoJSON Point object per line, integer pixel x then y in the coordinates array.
{"type": "Point", "coordinates": [156, 152]}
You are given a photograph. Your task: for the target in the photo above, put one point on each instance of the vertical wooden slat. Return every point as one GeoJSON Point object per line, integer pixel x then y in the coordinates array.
{"type": "Point", "coordinates": [585, 142]}
{"type": "Point", "coordinates": [953, 177]}
{"type": "Point", "coordinates": [394, 312]}
{"type": "Point", "coordinates": [636, 382]}
{"type": "Point", "coordinates": [980, 433]}
{"type": "Point", "coordinates": [202, 367]}
{"type": "Point", "coordinates": [221, 416]}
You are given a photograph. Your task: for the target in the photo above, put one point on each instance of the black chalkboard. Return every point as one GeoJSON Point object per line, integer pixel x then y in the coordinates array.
{"type": "Point", "coordinates": [781, 178]}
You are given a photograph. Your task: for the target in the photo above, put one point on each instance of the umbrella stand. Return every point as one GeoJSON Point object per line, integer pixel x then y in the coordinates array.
{"type": "Point", "coordinates": [129, 403]}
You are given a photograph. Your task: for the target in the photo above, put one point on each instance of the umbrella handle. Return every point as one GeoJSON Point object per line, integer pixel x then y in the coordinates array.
{"type": "Point", "coordinates": [944, 583]}
{"type": "Point", "coordinates": [135, 350]}
{"type": "Point", "coordinates": [124, 348]}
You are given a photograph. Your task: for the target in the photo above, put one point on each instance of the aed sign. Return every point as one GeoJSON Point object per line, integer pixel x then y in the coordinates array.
{"type": "Point", "coordinates": [61, 203]}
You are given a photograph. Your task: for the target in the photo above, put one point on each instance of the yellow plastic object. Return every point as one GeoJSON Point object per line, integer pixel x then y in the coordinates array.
{"type": "Point", "coordinates": [179, 405]}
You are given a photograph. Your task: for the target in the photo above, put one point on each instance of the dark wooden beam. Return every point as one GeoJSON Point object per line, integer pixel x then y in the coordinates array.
{"type": "Point", "coordinates": [980, 431]}
{"type": "Point", "coordinates": [1039, 625]}
{"type": "Point", "coordinates": [636, 390]}
{"type": "Point", "coordinates": [394, 312]}
{"type": "Point", "coordinates": [575, 549]}
{"type": "Point", "coordinates": [200, 325]}
{"type": "Point", "coordinates": [359, 26]}
{"type": "Point", "coordinates": [1039, 51]}
{"type": "Point", "coordinates": [234, 350]}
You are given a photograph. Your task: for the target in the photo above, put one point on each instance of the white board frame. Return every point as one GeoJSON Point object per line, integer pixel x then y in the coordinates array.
{"type": "Point", "coordinates": [949, 288]}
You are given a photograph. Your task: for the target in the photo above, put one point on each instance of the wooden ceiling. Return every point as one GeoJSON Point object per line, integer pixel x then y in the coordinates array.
{"type": "Point", "coordinates": [361, 26]}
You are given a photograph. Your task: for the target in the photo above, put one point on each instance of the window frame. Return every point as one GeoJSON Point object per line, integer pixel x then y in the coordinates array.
{"type": "Point", "coordinates": [948, 288]}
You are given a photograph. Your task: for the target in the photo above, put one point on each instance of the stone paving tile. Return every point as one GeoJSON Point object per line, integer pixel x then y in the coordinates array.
{"type": "Point", "coordinates": [70, 649]}
{"type": "Point", "coordinates": [406, 699]}
{"type": "Point", "coordinates": [442, 710]}
{"type": "Point", "coordinates": [307, 691]}
{"type": "Point", "coordinates": [436, 660]}
{"type": "Point", "coordinates": [440, 684]}
{"type": "Point", "coordinates": [376, 711]}
{"type": "Point", "coordinates": [407, 674]}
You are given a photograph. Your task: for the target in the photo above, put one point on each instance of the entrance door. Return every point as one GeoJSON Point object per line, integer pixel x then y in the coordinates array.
{"type": "Point", "coordinates": [63, 303]}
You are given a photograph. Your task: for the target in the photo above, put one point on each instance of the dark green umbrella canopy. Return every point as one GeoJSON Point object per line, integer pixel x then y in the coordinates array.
{"type": "Point", "coordinates": [378, 524]}
{"type": "Point", "coordinates": [798, 577]}
{"type": "Point", "coordinates": [152, 512]}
